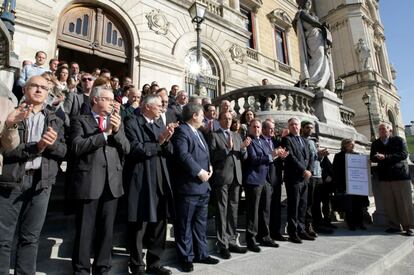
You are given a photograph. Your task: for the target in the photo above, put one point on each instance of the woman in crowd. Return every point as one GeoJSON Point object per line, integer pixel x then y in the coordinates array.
{"type": "Point", "coordinates": [352, 205]}
{"type": "Point", "coordinates": [62, 74]}
{"type": "Point", "coordinates": [245, 119]}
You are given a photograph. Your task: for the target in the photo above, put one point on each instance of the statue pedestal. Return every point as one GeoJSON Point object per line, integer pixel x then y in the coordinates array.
{"type": "Point", "coordinates": [326, 104]}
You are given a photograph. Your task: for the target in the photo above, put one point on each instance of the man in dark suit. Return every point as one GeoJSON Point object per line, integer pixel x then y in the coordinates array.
{"type": "Point", "coordinates": [227, 150]}
{"type": "Point", "coordinates": [192, 190]}
{"type": "Point", "coordinates": [180, 101]}
{"type": "Point", "coordinates": [99, 144]}
{"type": "Point", "coordinates": [297, 172]}
{"type": "Point", "coordinates": [149, 192]}
{"type": "Point", "coordinates": [168, 115]}
{"type": "Point", "coordinates": [258, 189]}
{"type": "Point", "coordinates": [74, 101]}
{"type": "Point", "coordinates": [210, 122]}
{"type": "Point", "coordinates": [275, 179]}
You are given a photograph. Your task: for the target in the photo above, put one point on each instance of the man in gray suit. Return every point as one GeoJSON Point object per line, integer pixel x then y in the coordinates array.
{"type": "Point", "coordinates": [227, 150]}
{"type": "Point", "coordinates": [74, 101]}
{"type": "Point", "coordinates": [99, 144]}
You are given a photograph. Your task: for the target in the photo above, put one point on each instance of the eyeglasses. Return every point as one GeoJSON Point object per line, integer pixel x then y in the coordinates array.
{"type": "Point", "coordinates": [104, 98]}
{"type": "Point", "coordinates": [164, 102]}
{"type": "Point", "coordinates": [40, 87]}
{"type": "Point", "coordinates": [87, 79]}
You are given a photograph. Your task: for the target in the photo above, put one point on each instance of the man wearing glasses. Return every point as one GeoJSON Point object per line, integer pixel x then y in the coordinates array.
{"type": "Point", "coordinates": [27, 177]}
{"type": "Point", "coordinates": [98, 145]}
{"type": "Point", "coordinates": [74, 101]}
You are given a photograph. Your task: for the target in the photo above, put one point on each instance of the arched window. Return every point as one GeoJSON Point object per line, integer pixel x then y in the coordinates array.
{"type": "Point", "coordinates": [92, 30]}
{"type": "Point", "coordinates": [207, 71]}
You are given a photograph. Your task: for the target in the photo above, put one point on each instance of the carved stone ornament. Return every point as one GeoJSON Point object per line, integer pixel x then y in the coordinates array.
{"type": "Point", "coordinates": [237, 54]}
{"type": "Point", "coordinates": [396, 108]}
{"type": "Point", "coordinates": [157, 22]}
{"type": "Point", "coordinates": [280, 18]}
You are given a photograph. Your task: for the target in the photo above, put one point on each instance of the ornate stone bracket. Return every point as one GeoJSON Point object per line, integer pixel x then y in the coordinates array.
{"type": "Point", "coordinates": [237, 54]}
{"type": "Point", "coordinates": [280, 18]}
{"type": "Point", "coordinates": [157, 22]}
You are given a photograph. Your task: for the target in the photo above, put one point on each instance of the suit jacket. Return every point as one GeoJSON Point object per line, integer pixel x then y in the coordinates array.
{"type": "Point", "coordinates": [226, 163]}
{"type": "Point", "coordinates": [149, 172]}
{"type": "Point", "coordinates": [96, 160]}
{"type": "Point", "coordinates": [190, 158]}
{"type": "Point", "coordinates": [276, 167]}
{"type": "Point", "coordinates": [257, 163]}
{"type": "Point", "coordinates": [170, 117]}
{"type": "Point", "coordinates": [298, 160]}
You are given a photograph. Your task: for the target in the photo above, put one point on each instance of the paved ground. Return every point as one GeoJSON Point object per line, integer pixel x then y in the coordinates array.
{"type": "Point", "coordinates": [345, 252]}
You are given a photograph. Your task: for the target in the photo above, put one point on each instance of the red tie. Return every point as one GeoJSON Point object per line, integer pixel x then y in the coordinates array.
{"type": "Point", "coordinates": [101, 123]}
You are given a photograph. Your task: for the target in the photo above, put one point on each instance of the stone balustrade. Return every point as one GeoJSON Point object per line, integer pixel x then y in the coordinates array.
{"type": "Point", "coordinates": [213, 7]}
{"type": "Point", "coordinates": [347, 115]}
{"type": "Point", "coordinates": [273, 98]}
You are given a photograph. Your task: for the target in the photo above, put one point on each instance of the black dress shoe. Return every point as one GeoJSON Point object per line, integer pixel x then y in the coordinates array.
{"type": "Point", "coordinates": [324, 230]}
{"type": "Point", "coordinates": [225, 253]}
{"type": "Point", "coordinates": [253, 247]}
{"type": "Point", "coordinates": [295, 239]}
{"type": "Point", "coordinates": [362, 227]}
{"type": "Point", "coordinates": [237, 249]}
{"type": "Point", "coordinates": [187, 267]}
{"type": "Point", "coordinates": [409, 233]}
{"type": "Point", "coordinates": [311, 232]}
{"type": "Point", "coordinates": [280, 238]}
{"type": "Point", "coordinates": [392, 230]}
{"type": "Point", "coordinates": [306, 236]}
{"type": "Point", "coordinates": [269, 243]}
{"type": "Point", "coordinates": [208, 260]}
{"type": "Point", "coordinates": [158, 270]}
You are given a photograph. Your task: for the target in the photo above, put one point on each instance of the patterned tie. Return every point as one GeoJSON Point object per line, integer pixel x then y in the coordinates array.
{"type": "Point", "coordinates": [101, 123]}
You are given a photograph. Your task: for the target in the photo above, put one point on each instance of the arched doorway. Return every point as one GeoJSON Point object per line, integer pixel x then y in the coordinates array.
{"type": "Point", "coordinates": [94, 38]}
{"type": "Point", "coordinates": [209, 74]}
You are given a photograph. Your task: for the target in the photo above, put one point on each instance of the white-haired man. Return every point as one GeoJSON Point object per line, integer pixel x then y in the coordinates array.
{"type": "Point", "coordinates": [99, 145]}
{"type": "Point", "coordinates": [390, 152]}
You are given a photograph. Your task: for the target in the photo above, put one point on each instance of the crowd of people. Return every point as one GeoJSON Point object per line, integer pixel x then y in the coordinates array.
{"type": "Point", "coordinates": [170, 155]}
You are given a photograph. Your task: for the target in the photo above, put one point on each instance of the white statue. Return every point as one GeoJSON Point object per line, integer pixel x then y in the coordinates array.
{"type": "Point", "coordinates": [364, 55]}
{"type": "Point", "coordinates": [315, 43]}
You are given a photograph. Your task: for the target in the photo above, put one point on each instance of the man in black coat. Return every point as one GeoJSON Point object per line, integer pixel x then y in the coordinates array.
{"type": "Point", "coordinates": [28, 173]}
{"type": "Point", "coordinates": [297, 172]}
{"type": "Point", "coordinates": [390, 152]}
{"type": "Point", "coordinates": [227, 150]}
{"type": "Point", "coordinates": [99, 145]}
{"type": "Point", "coordinates": [149, 190]}
{"type": "Point", "coordinates": [192, 189]}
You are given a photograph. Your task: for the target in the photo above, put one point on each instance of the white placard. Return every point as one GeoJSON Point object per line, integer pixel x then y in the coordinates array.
{"type": "Point", "coordinates": [358, 174]}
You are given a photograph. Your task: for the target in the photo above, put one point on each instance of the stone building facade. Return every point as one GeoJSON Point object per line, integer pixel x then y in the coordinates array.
{"type": "Point", "coordinates": [243, 41]}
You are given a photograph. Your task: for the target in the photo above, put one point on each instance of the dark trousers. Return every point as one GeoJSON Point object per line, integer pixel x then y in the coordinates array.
{"type": "Point", "coordinates": [94, 231]}
{"type": "Point", "coordinates": [152, 235]}
{"type": "Point", "coordinates": [321, 196]}
{"type": "Point", "coordinates": [22, 209]}
{"type": "Point", "coordinates": [258, 198]}
{"type": "Point", "coordinates": [354, 215]}
{"type": "Point", "coordinates": [191, 226]}
{"type": "Point", "coordinates": [275, 222]}
{"type": "Point", "coordinates": [227, 198]}
{"type": "Point", "coordinates": [310, 200]}
{"type": "Point", "coordinates": [297, 193]}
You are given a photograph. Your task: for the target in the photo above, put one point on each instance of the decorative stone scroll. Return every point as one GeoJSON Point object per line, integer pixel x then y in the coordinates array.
{"type": "Point", "coordinates": [237, 54]}
{"type": "Point", "coordinates": [157, 22]}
